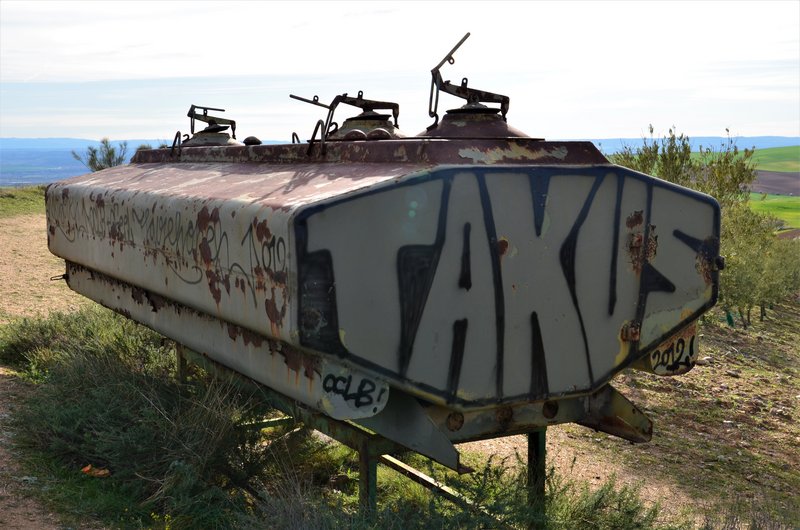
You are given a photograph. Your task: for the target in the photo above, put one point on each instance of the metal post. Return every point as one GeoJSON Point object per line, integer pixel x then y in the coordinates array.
{"type": "Point", "coordinates": [536, 469]}
{"type": "Point", "coordinates": [367, 478]}
{"type": "Point", "coordinates": [180, 363]}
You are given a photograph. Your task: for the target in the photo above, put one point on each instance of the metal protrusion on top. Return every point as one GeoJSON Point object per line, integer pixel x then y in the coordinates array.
{"type": "Point", "coordinates": [473, 96]}
{"type": "Point", "coordinates": [366, 105]}
{"type": "Point", "coordinates": [215, 123]}
{"type": "Point", "coordinates": [449, 57]}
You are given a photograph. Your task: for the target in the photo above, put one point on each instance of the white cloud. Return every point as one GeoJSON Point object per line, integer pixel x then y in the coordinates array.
{"type": "Point", "coordinates": [561, 63]}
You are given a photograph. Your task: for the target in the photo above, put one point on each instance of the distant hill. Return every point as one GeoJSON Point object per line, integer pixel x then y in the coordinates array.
{"type": "Point", "coordinates": [69, 143]}
{"type": "Point", "coordinates": [615, 145]}
{"type": "Point", "coordinates": [26, 161]}
{"type": "Point", "coordinates": [607, 145]}
{"type": "Point", "coordinates": [781, 159]}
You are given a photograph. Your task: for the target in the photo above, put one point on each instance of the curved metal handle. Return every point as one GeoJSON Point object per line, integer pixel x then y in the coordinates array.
{"type": "Point", "coordinates": [176, 141]}
{"type": "Point", "coordinates": [320, 126]}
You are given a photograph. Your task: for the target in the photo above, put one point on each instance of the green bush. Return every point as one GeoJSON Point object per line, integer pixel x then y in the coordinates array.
{"type": "Point", "coordinates": [108, 398]}
{"type": "Point", "coordinates": [41, 341]}
{"type": "Point", "coordinates": [760, 269]}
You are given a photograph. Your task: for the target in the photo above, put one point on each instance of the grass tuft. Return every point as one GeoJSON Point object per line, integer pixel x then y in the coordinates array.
{"type": "Point", "coordinates": [21, 201]}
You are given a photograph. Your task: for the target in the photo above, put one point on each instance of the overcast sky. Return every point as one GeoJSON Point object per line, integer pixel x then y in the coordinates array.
{"type": "Point", "coordinates": [572, 69]}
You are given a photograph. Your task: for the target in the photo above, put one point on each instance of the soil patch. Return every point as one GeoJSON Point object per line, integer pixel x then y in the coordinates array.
{"type": "Point", "coordinates": [777, 182]}
{"type": "Point", "coordinates": [17, 509]}
{"type": "Point", "coordinates": [26, 266]}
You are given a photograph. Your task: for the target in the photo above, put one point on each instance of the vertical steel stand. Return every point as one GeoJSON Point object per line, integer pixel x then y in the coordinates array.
{"type": "Point", "coordinates": [537, 470]}
{"type": "Point", "coordinates": [372, 448]}
{"type": "Point", "coordinates": [367, 478]}
{"type": "Point", "coordinates": [180, 364]}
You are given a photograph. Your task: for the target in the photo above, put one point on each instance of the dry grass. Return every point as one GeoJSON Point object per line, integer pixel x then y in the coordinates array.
{"type": "Point", "coordinates": [26, 267]}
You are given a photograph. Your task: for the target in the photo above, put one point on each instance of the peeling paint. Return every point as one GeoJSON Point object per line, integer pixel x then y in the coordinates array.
{"type": "Point", "coordinates": [512, 152]}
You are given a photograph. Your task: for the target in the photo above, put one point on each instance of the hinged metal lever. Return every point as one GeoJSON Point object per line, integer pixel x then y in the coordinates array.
{"type": "Point", "coordinates": [211, 120]}
{"type": "Point", "coordinates": [178, 142]}
{"type": "Point", "coordinates": [472, 95]}
{"type": "Point", "coordinates": [367, 105]}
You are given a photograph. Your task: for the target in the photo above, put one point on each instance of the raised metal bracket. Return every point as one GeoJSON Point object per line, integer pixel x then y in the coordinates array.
{"type": "Point", "coordinates": [215, 123]}
{"type": "Point", "coordinates": [472, 95]}
{"type": "Point", "coordinates": [366, 105]}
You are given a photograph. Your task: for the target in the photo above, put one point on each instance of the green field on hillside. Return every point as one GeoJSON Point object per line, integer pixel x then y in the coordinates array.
{"type": "Point", "coordinates": [783, 207]}
{"type": "Point", "coordinates": [785, 159]}
{"type": "Point", "coordinates": [778, 159]}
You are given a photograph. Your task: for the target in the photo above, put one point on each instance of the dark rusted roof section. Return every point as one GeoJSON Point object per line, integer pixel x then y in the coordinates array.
{"type": "Point", "coordinates": [474, 125]}
{"type": "Point", "coordinates": [406, 151]}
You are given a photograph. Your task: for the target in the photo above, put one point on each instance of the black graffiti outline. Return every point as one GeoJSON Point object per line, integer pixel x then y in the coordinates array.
{"type": "Point", "coordinates": [331, 342]}
{"type": "Point", "coordinates": [674, 356]}
{"type": "Point", "coordinates": [362, 397]}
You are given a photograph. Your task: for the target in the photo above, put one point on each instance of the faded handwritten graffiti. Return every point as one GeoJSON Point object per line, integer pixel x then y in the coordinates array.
{"type": "Point", "coordinates": [677, 355]}
{"type": "Point", "coordinates": [362, 395]}
{"type": "Point", "coordinates": [194, 245]}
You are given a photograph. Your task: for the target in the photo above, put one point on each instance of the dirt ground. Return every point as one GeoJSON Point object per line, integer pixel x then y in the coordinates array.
{"type": "Point", "coordinates": [780, 183]}
{"type": "Point", "coordinates": [17, 509]}
{"type": "Point", "coordinates": [576, 454]}
{"type": "Point", "coordinates": [26, 267]}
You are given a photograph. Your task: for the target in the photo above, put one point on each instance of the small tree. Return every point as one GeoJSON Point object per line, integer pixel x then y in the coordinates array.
{"type": "Point", "coordinates": [747, 240]}
{"type": "Point", "coordinates": [759, 268]}
{"type": "Point", "coordinates": [103, 157]}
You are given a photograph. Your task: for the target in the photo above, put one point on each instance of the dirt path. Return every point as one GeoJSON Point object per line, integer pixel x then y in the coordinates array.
{"type": "Point", "coordinates": [25, 290]}
{"type": "Point", "coordinates": [26, 267]}
{"type": "Point", "coordinates": [17, 509]}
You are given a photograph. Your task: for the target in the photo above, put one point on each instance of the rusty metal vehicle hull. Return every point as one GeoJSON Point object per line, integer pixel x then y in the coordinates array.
{"type": "Point", "coordinates": [473, 275]}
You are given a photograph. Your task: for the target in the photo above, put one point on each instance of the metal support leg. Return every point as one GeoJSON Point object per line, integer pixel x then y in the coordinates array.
{"type": "Point", "coordinates": [536, 468]}
{"type": "Point", "coordinates": [180, 364]}
{"type": "Point", "coordinates": [367, 478]}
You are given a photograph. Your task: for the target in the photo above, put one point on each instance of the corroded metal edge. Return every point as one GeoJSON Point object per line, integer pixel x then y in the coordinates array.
{"type": "Point", "coordinates": [408, 150]}
{"type": "Point", "coordinates": [323, 384]}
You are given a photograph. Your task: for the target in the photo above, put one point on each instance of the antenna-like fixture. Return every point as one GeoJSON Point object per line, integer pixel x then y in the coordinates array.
{"type": "Point", "coordinates": [215, 124]}
{"type": "Point", "coordinates": [366, 105]}
{"type": "Point", "coordinates": [472, 95]}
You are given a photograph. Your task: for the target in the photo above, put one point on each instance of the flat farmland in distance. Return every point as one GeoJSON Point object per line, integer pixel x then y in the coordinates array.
{"type": "Point", "coordinates": [784, 207]}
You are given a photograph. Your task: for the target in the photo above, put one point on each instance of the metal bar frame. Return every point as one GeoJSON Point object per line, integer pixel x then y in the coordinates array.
{"type": "Point", "coordinates": [371, 447]}
{"type": "Point", "coordinates": [537, 470]}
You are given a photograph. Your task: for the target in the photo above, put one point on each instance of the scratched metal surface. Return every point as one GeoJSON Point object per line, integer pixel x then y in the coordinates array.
{"type": "Point", "coordinates": [329, 387]}
{"type": "Point", "coordinates": [514, 284]}
{"type": "Point", "coordinates": [470, 273]}
{"type": "Point", "coordinates": [214, 237]}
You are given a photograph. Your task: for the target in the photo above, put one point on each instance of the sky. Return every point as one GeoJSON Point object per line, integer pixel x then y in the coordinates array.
{"type": "Point", "coordinates": [129, 70]}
